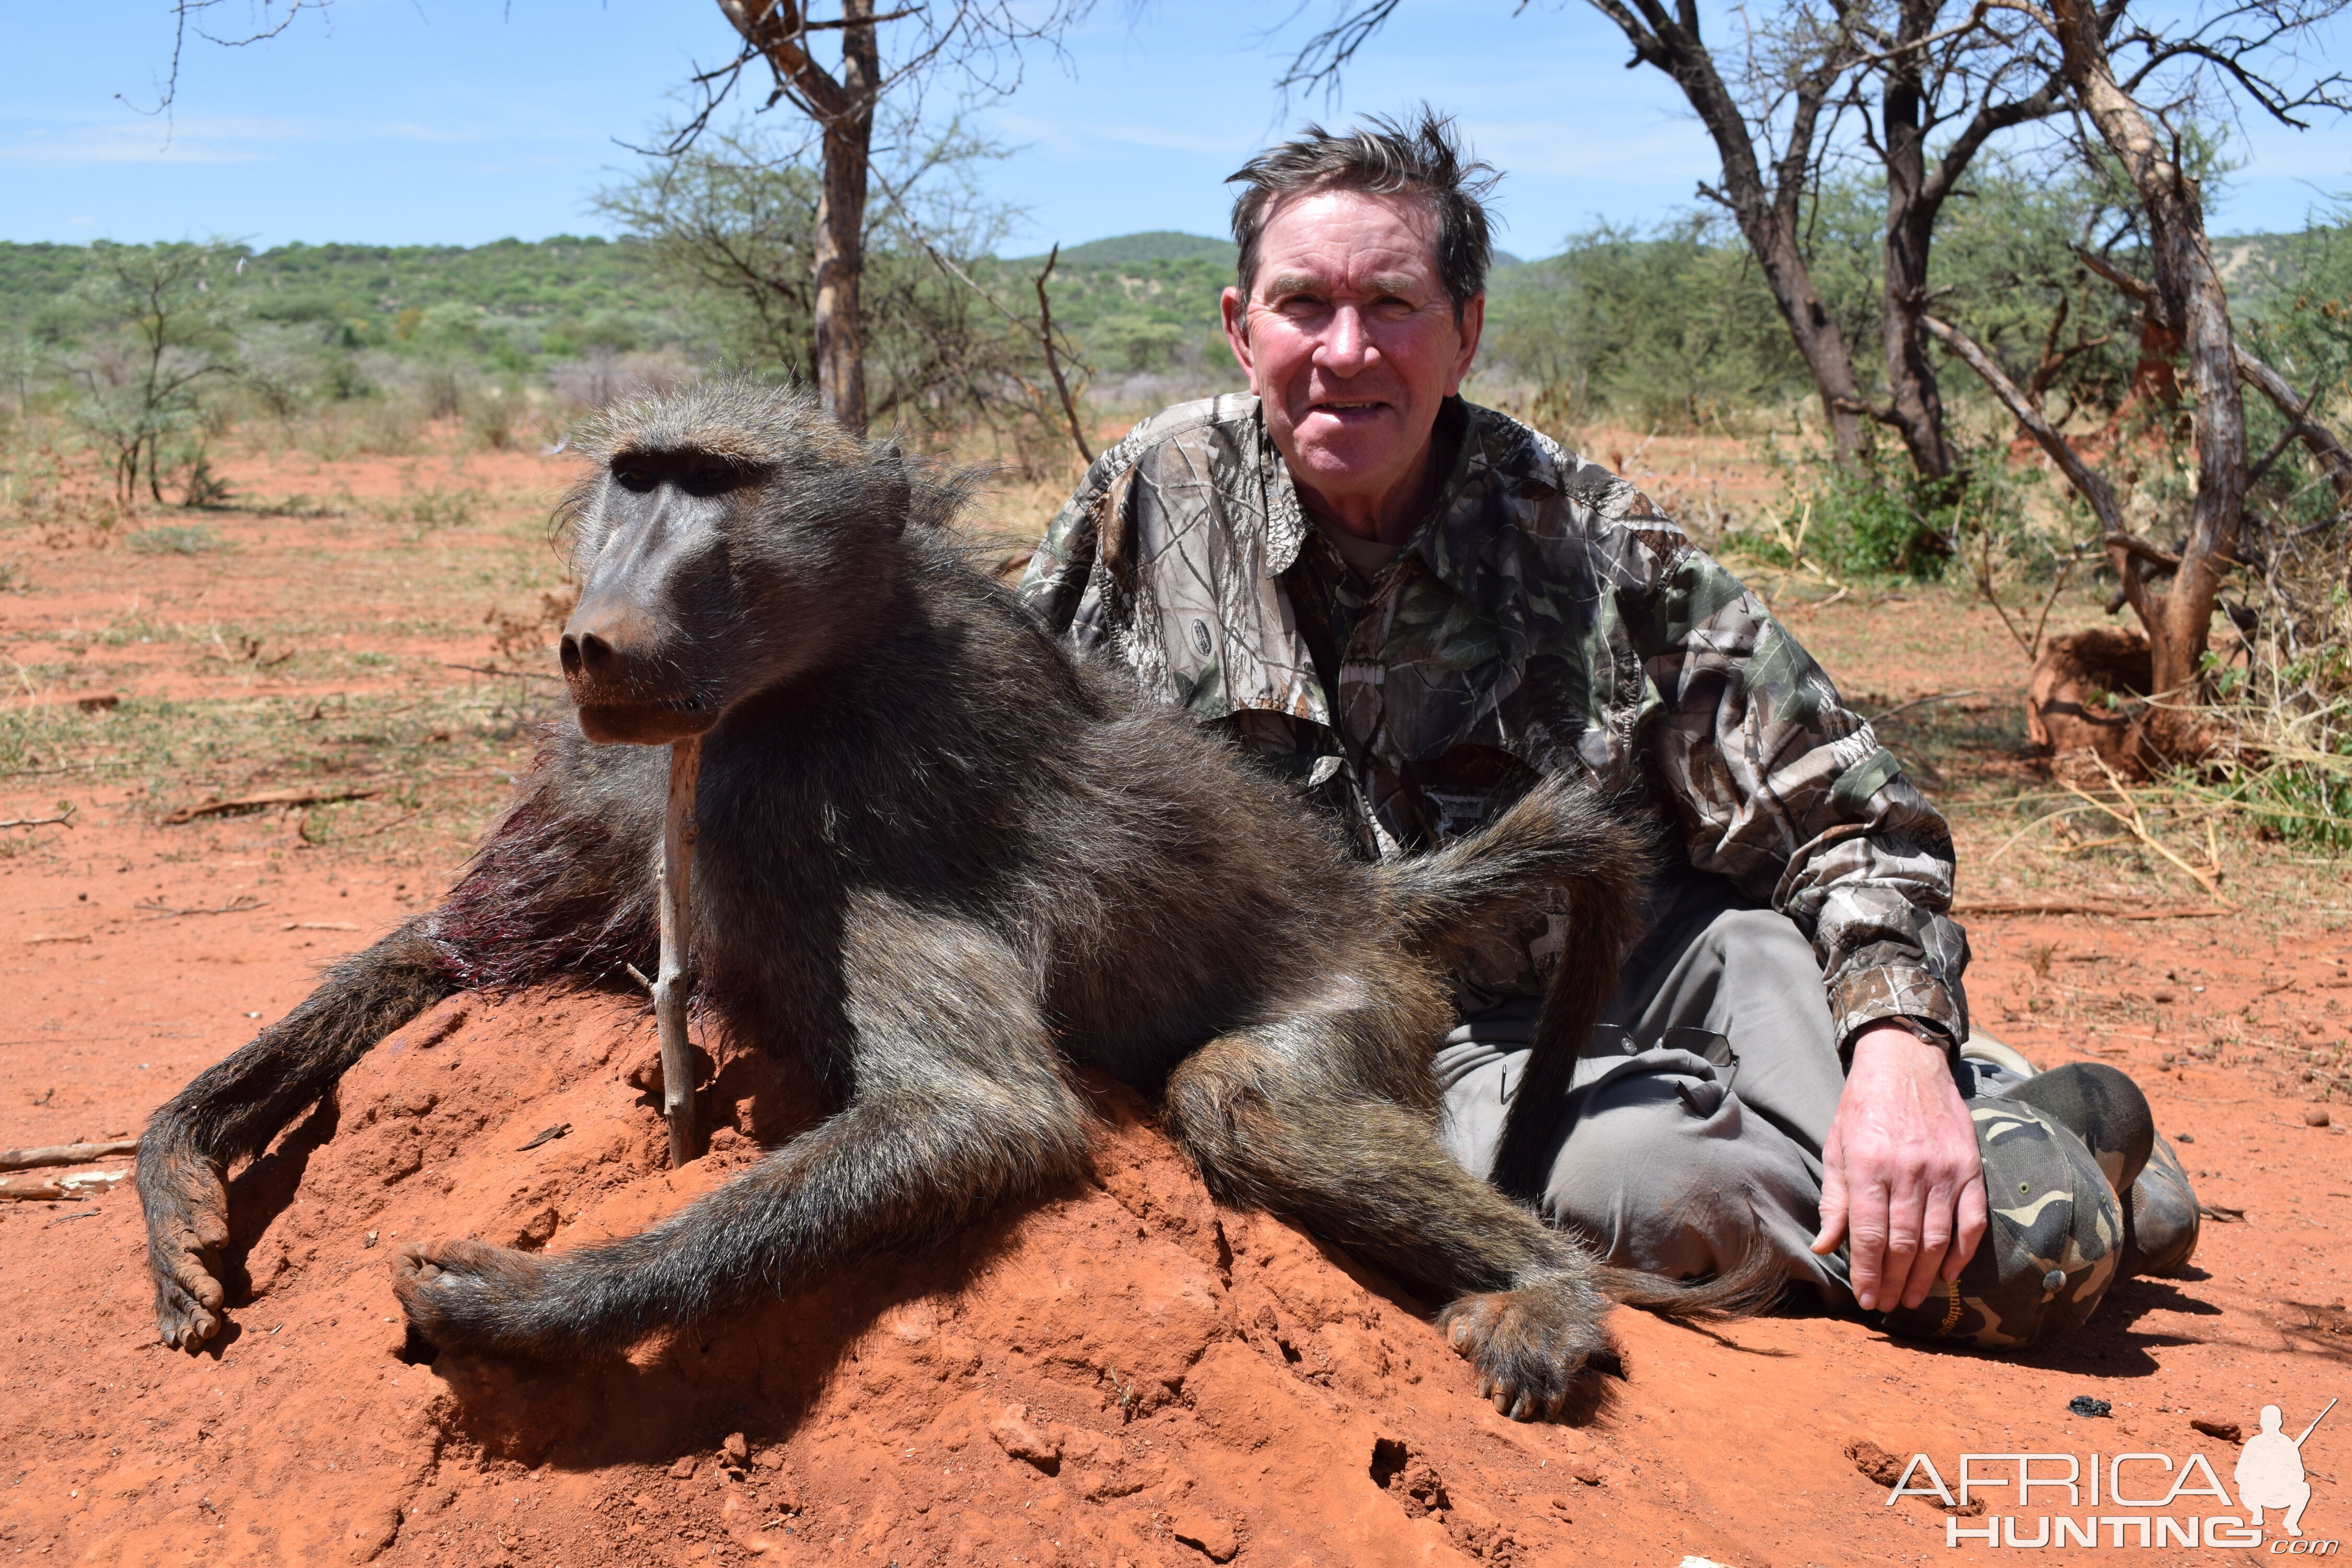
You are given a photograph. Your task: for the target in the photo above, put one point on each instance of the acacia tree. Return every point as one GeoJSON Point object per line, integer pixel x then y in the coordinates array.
{"type": "Point", "coordinates": [978, 43]}
{"type": "Point", "coordinates": [975, 45]}
{"type": "Point", "coordinates": [1768, 128]}
{"type": "Point", "coordinates": [1775, 125]}
{"type": "Point", "coordinates": [139, 387]}
{"type": "Point", "coordinates": [2185, 304]}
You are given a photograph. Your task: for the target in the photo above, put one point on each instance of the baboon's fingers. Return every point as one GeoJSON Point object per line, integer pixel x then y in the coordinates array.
{"type": "Point", "coordinates": [1534, 1347]}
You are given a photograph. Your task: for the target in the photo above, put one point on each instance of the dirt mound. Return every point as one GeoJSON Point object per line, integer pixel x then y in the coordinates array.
{"type": "Point", "coordinates": [1118, 1371]}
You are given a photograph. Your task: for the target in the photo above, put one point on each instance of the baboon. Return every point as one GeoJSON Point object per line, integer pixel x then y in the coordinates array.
{"type": "Point", "coordinates": [947, 863]}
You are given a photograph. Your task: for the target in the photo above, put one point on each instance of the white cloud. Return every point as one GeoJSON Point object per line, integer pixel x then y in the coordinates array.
{"type": "Point", "coordinates": [214, 140]}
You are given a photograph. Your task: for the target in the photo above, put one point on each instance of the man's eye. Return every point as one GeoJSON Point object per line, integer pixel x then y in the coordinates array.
{"type": "Point", "coordinates": [629, 476]}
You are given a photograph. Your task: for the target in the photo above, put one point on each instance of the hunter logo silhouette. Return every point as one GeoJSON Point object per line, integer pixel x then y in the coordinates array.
{"type": "Point", "coordinates": [2269, 1471]}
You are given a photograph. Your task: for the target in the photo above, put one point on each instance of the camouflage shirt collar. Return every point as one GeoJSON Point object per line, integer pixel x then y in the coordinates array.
{"type": "Point", "coordinates": [1489, 449]}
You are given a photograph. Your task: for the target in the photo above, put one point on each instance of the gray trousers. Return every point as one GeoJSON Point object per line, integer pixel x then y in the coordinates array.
{"type": "Point", "coordinates": [1695, 1119]}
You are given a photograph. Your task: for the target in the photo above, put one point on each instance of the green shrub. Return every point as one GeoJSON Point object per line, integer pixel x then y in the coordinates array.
{"type": "Point", "coordinates": [175, 539]}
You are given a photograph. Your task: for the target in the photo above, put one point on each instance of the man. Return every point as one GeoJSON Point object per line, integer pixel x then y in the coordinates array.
{"type": "Point", "coordinates": [1413, 608]}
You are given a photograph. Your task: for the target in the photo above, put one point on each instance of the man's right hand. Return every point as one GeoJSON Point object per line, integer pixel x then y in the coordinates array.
{"type": "Point", "coordinates": [1901, 1176]}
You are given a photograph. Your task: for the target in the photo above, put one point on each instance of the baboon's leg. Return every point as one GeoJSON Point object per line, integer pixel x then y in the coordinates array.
{"type": "Point", "coordinates": [1277, 1120]}
{"type": "Point", "coordinates": [956, 1103]}
{"type": "Point", "coordinates": [234, 1108]}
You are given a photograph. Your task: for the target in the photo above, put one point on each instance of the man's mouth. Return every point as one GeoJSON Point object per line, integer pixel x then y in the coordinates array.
{"type": "Point", "coordinates": [1352, 407]}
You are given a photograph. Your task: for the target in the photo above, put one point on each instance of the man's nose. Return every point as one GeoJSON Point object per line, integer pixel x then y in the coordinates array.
{"type": "Point", "coordinates": [1347, 347]}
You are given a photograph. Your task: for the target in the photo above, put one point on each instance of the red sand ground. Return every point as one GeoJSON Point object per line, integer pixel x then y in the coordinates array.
{"type": "Point", "coordinates": [1118, 1373]}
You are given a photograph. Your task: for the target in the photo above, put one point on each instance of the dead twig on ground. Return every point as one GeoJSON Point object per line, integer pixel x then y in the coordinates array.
{"type": "Point", "coordinates": [157, 909]}
{"type": "Point", "coordinates": [265, 800]}
{"type": "Point", "coordinates": [512, 674]}
{"type": "Point", "coordinates": [34, 1189]}
{"type": "Point", "coordinates": [67, 1154]}
{"type": "Point", "coordinates": [2084, 907]}
{"type": "Point", "coordinates": [64, 817]}
{"type": "Point", "coordinates": [1881, 717]}
{"type": "Point", "coordinates": [2136, 824]}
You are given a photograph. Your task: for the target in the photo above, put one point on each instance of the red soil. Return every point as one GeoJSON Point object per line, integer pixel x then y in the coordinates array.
{"type": "Point", "coordinates": [1206, 1376]}
{"type": "Point", "coordinates": [1119, 1372]}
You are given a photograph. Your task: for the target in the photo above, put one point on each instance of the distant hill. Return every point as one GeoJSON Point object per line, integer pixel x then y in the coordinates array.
{"type": "Point", "coordinates": [1130, 249]}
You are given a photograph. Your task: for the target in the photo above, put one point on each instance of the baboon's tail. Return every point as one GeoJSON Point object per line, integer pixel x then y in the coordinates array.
{"type": "Point", "coordinates": [1751, 1286]}
{"type": "Point", "coordinates": [1561, 843]}
{"type": "Point", "coordinates": [1560, 837]}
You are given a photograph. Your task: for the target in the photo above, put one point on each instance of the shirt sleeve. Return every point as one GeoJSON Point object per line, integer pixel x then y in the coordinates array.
{"type": "Point", "coordinates": [1064, 562]}
{"type": "Point", "coordinates": [1785, 790]}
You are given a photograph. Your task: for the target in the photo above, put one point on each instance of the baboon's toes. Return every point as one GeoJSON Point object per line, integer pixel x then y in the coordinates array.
{"type": "Point", "coordinates": [187, 1300]}
{"type": "Point", "coordinates": [461, 1294]}
{"type": "Point", "coordinates": [187, 1225]}
{"type": "Point", "coordinates": [1533, 1347]}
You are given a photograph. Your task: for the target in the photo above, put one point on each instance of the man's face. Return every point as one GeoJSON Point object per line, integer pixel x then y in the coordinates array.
{"type": "Point", "coordinates": [1351, 343]}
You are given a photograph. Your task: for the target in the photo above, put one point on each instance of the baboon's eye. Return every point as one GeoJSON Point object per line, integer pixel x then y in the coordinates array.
{"type": "Point", "coordinates": [709, 477]}
{"type": "Point", "coordinates": [633, 477]}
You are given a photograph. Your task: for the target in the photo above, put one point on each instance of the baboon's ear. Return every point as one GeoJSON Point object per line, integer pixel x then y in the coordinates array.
{"type": "Point", "coordinates": [895, 479]}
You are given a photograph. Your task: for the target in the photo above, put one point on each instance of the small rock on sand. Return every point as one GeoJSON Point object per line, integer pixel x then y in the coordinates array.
{"type": "Point", "coordinates": [1210, 1533]}
{"type": "Point", "coordinates": [1024, 1439]}
{"type": "Point", "coordinates": [2314, 1116]}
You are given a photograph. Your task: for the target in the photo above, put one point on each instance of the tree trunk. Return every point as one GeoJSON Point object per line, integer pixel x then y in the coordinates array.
{"type": "Point", "coordinates": [2190, 293]}
{"type": "Point", "coordinates": [843, 110]}
{"type": "Point", "coordinates": [1769, 219]}
{"type": "Point", "coordinates": [839, 327]}
{"type": "Point", "coordinates": [1915, 405]}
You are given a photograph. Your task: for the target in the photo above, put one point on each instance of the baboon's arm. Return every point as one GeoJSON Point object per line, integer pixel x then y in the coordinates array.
{"type": "Point", "coordinates": [236, 1107]}
{"type": "Point", "coordinates": [956, 1103]}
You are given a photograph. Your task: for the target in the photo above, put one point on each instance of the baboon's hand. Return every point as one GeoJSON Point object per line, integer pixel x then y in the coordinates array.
{"type": "Point", "coordinates": [469, 1295]}
{"type": "Point", "coordinates": [187, 1225]}
{"type": "Point", "coordinates": [1533, 1346]}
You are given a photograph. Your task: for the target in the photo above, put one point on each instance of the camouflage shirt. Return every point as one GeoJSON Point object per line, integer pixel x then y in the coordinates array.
{"type": "Point", "coordinates": [1546, 616]}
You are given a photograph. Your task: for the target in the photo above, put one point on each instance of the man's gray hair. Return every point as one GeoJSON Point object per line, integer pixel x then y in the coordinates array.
{"type": "Point", "coordinates": [1379, 158]}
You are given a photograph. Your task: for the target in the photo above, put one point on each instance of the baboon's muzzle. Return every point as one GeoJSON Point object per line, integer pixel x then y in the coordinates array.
{"type": "Point", "coordinates": [626, 684]}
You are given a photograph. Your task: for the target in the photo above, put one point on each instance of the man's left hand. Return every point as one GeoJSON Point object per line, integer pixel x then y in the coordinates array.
{"type": "Point", "coordinates": [1901, 1177]}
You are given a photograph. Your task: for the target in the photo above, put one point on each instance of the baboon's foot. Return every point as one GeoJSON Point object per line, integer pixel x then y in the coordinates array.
{"type": "Point", "coordinates": [187, 1226]}
{"type": "Point", "coordinates": [1536, 1348]}
{"type": "Point", "coordinates": [471, 1296]}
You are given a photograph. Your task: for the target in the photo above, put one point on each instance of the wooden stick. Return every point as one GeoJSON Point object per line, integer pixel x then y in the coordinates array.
{"type": "Point", "coordinates": [67, 1154]}
{"type": "Point", "coordinates": [678, 833]}
{"type": "Point", "coordinates": [51, 1189]}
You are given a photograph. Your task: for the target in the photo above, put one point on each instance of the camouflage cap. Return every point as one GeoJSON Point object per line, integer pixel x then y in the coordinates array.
{"type": "Point", "coordinates": [2052, 1245]}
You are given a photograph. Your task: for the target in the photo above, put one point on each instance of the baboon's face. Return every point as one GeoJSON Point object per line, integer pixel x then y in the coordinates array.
{"type": "Point", "coordinates": [707, 578]}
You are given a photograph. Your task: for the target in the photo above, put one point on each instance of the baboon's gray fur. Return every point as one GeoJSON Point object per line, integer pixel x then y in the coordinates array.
{"type": "Point", "coordinates": [947, 863]}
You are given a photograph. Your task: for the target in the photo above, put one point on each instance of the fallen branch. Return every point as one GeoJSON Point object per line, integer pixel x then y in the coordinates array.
{"type": "Point", "coordinates": [2137, 825]}
{"type": "Point", "coordinates": [244, 903]}
{"type": "Point", "coordinates": [2079, 906]}
{"type": "Point", "coordinates": [264, 801]}
{"type": "Point", "coordinates": [42, 938]}
{"type": "Point", "coordinates": [67, 1154]}
{"type": "Point", "coordinates": [65, 817]}
{"type": "Point", "coordinates": [33, 1189]}
{"type": "Point", "coordinates": [515, 674]}
{"type": "Point", "coordinates": [1881, 717]}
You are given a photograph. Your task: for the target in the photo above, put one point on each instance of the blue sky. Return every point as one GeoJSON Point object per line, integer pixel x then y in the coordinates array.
{"type": "Point", "coordinates": [433, 121]}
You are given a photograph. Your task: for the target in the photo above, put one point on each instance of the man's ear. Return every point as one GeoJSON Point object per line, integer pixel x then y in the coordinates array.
{"type": "Point", "coordinates": [1474, 323]}
{"type": "Point", "coordinates": [1235, 312]}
